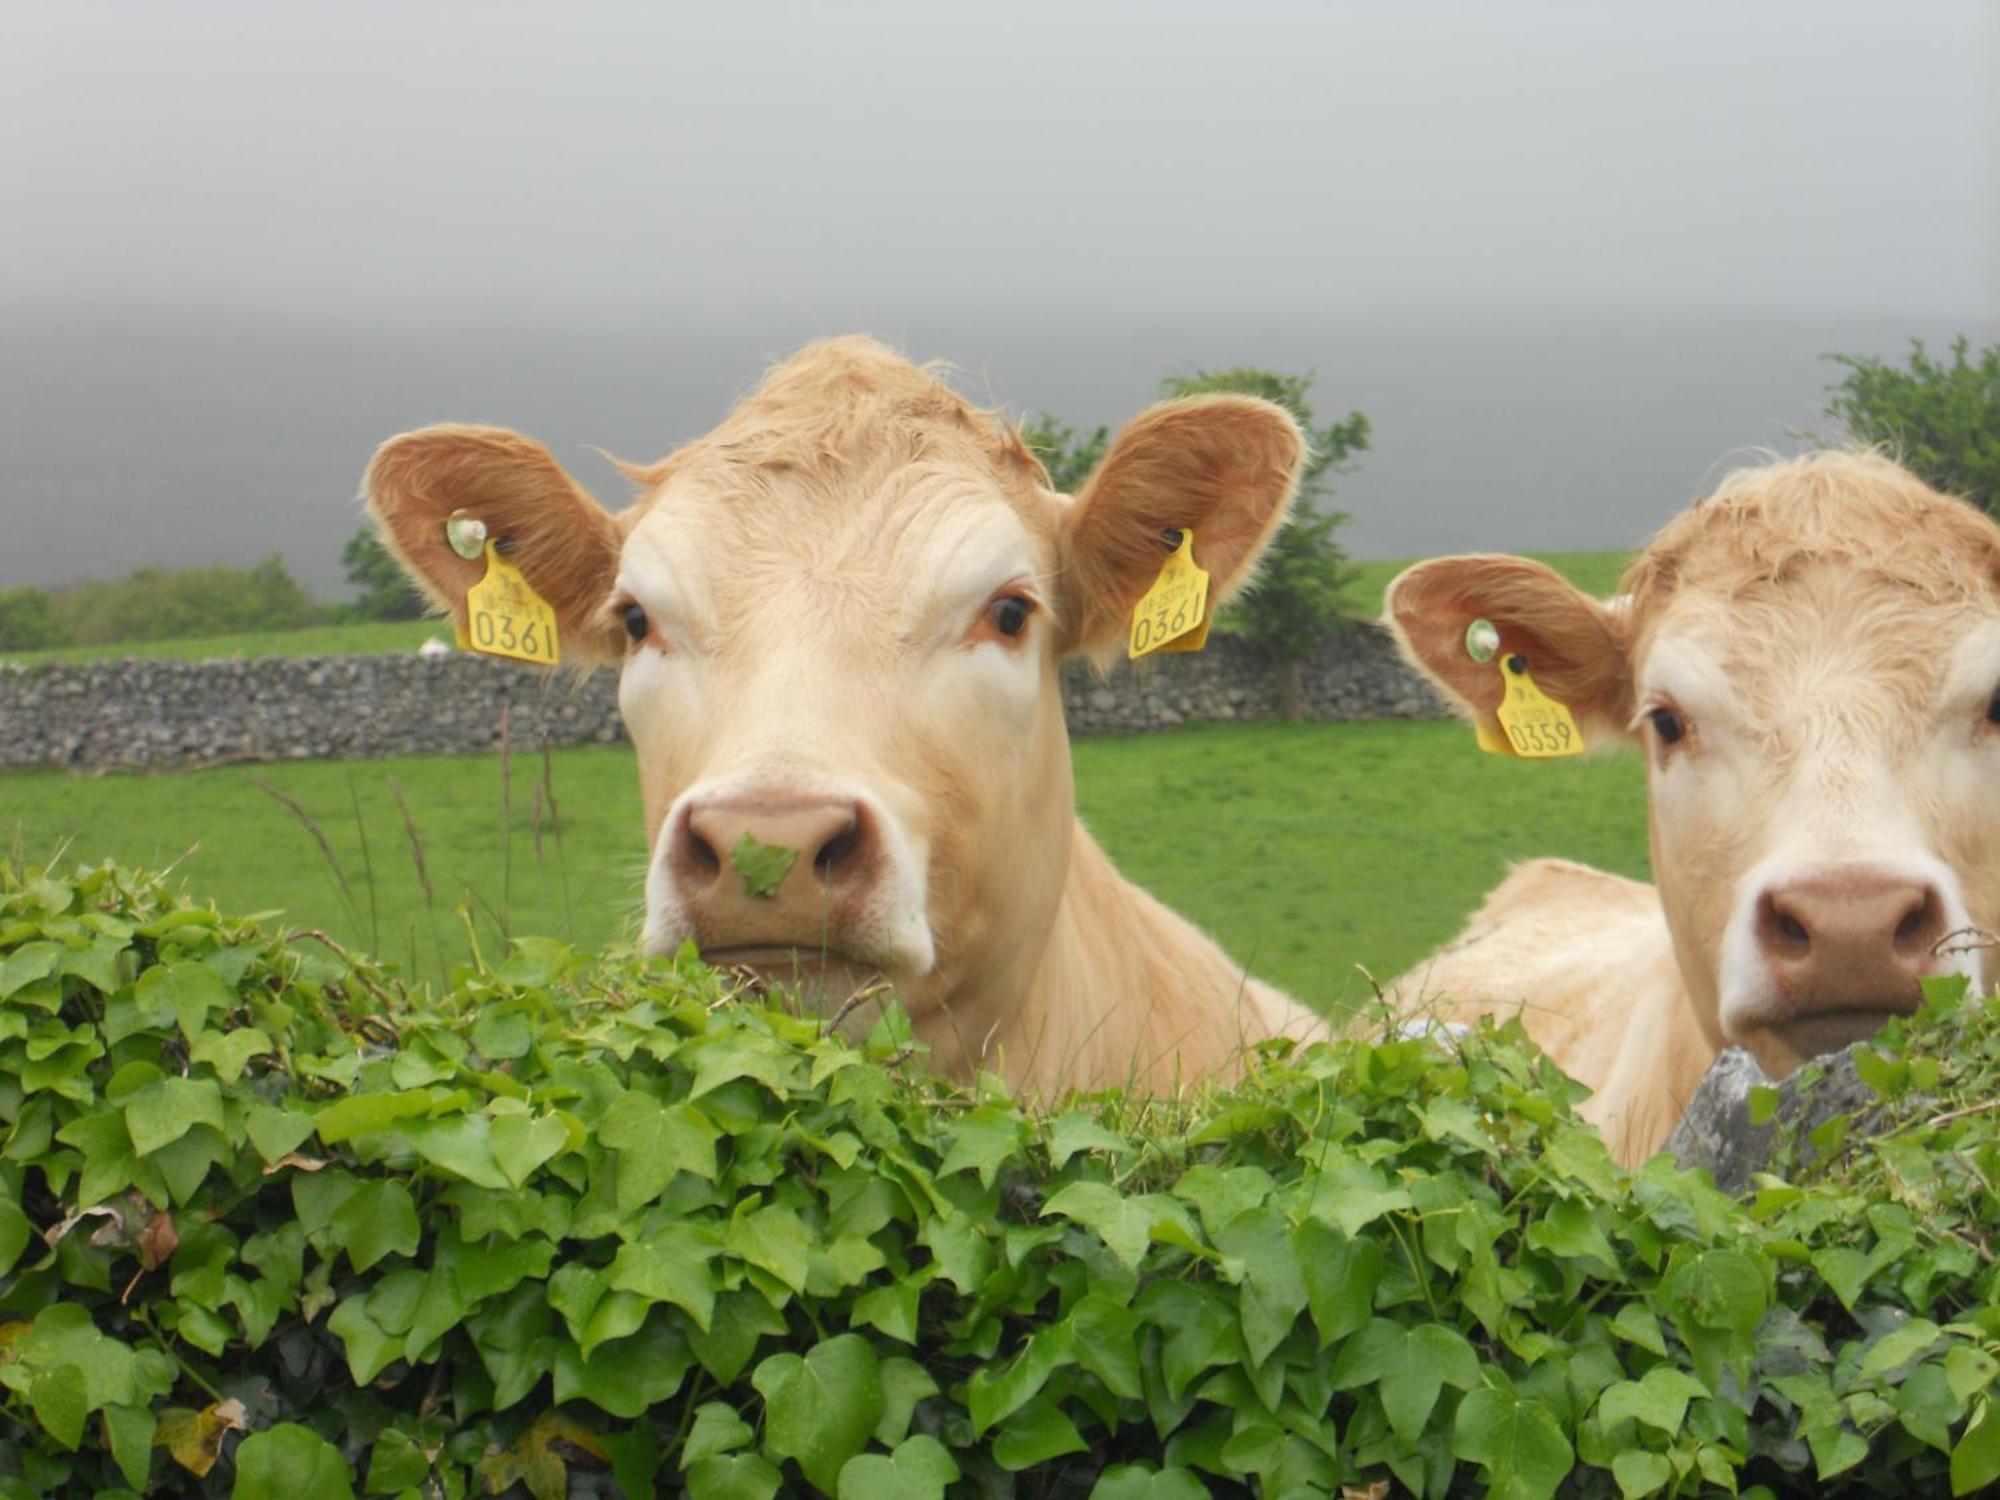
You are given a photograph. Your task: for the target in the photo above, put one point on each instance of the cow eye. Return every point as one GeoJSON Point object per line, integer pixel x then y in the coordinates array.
{"type": "Point", "coordinates": [1009, 614]}
{"type": "Point", "coordinates": [1993, 708]}
{"type": "Point", "coordinates": [636, 623]}
{"type": "Point", "coordinates": [1668, 725]}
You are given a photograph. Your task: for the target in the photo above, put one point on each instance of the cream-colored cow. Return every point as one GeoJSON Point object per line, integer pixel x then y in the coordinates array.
{"type": "Point", "coordinates": [840, 616]}
{"type": "Point", "coordinates": [1811, 659]}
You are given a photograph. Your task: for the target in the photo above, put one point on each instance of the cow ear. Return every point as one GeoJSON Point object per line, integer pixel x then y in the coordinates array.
{"type": "Point", "coordinates": [1223, 467]}
{"type": "Point", "coordinates": [1574, 644]}
{"type": "Point", "coordinates": [564, 543]}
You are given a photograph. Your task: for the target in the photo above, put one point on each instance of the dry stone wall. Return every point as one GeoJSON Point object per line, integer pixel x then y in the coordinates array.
{"type": "Point", "coordinates": [158, 715]}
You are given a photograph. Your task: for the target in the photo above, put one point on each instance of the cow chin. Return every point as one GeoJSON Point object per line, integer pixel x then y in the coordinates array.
{"type": "Point", "coordinates": [827, 984]}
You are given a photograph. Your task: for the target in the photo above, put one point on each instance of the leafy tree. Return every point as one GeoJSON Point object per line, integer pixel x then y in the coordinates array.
{"type": "Point", "coordinates": [1296, 601]}
{"type": "Point", "coordinates": [1941, 417]}
{"type": "Point", "coordinates": [383, 591]}
{"type": "Point", "coordinates": [29, 622]}
{"type": "Point", "coordinates": [157, 604]}
{"type": "Point", "coordinates": [1068, 456]}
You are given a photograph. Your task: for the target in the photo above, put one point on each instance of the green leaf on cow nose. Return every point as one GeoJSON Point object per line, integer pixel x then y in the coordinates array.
{"type": "Point", "coordinates": [762, 866]}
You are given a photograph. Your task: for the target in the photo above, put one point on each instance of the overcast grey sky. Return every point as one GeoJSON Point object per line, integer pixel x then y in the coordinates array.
{"type": "Point", "coordinates": [1569, 257]}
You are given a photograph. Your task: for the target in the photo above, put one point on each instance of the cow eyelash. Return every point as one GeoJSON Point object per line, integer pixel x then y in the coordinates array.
{"type": "Point", "coordinates": [1669, 725]}
{"type": "Point", "coordinates": [631, 617]}
{"type": "Point", "coordinates": [1004, 618]}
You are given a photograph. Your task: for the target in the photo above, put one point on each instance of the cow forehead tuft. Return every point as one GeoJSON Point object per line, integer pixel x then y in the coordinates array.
{"type": "Point", "coordinates": [839, 420]}
{"type": "Point", "coordinates": [1784, 527]}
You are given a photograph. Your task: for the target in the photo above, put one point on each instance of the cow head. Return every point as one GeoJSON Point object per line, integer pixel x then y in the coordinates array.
{"type": "Point", "coordinates": [1811, 659]}
{"type": "Point", "coordinates": [839, 618]}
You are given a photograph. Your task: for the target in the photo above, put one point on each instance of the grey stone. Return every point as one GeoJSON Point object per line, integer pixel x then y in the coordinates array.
{"type": "Point", "coordinates": [157, 715]}
{"type": "Point", "coordinates": [1715, 1130]}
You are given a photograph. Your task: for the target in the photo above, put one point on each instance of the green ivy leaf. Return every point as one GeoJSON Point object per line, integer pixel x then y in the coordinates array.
{"type": "Point", "coordinates": [1899, 1347]}
{"type": "Point", "coordinates": [277, 1133]}
{"type": "Point", "coordinates": [984, 1139]}
{"type": "Point", "coordinates": [919, 1469]}
{"type": "Point", "coordinates": [521, 1144]}
{"type": "Point", "coordinates": [1517, 1439]}
{"type": "Point", "coordinates": [673, 1266]}
{"type": "Point", "coordinates": [229, 1052]}
{"type": "Point", "coordinates": [1639, 1473]}
{"type": "Point", "coordinates": [1409, 1366]}
{"type": "Point", "coordinates": [762, 866]}
{"type": "Point", "coordinates": [1125, 1224]}
{"type": "Point", "coordinates": [772, 1238]}
{"type": "Point", "coordinates": [186, 992]}
{"type": "Point", "coordinates": [626, 1376]}
{"type": "Point", "coordinates": [1975, 1461]}
{"type": "Point", "coordinates": [904, 1384]}
{"type": "Point", "coordinates": [163, 1112]}
{"type": "Point", "coordinates": [128, 1433]}
{"type": "Point", "coordinates": [737, 1476]}
{"type": "Point", "coordinates": [1341, 1275]}
{"type": "Point", "coordinates": [379, 1218]}
{"type": "Point", "coordinates": [1138, 1482]}
{"type": "Point", "coordinates": [1659, 1399]}
{"type": "Point", "coordinates": [1037, 1433]}
{"type": "Point", "coordinates": [717, 1429]}
{"type": "Point", "coordinates": [820, 1410]}
{"type": "Point", "coordinates": [290, 1462]}
{"type": "Point", "coordinates": [995, 1393]}
{"type": "Point", "coordinates": [654, 1141]}
{"type": "Point", "coordinates": [60, 1399]}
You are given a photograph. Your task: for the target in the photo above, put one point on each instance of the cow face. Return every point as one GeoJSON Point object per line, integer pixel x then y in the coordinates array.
{"type": "Point", "coordinates": [840, 617]}
{"type": "Point", "coordinates": [1810, 658]}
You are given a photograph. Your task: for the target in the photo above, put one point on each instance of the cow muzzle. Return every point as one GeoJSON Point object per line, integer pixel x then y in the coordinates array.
{"type": "Point", "coordinates": [814, 889]}
{"type": "Point", "coordinates": [1836, 951]}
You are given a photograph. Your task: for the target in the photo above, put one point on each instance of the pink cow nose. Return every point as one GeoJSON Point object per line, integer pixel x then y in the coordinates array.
{"type": "Point", "coordinates": [1847, 947]}
{"type": "Point", "coordinates": [742, 910]}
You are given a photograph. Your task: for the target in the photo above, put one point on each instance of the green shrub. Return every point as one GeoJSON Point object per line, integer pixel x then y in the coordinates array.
{"type": "Point", "coordinates": [272, 1228]}
{"type": "Point", "coordinates": [1940, 417]}
{"type": "Point", "coordinates": [29, 622]}
{"type": "Point", "coordinates": [160, 604]}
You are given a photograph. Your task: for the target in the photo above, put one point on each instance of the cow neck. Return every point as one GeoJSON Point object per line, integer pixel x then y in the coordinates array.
{"type": "Point", "coordinates": [1128, 993]}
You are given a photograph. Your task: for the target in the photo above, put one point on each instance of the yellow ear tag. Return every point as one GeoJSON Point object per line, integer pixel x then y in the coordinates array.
{"type": "Point", "coordinates": [504, 616]}
{"type": "Point", "coordinates": [1537, 727]}
{"type": "Point", "coordinates": [1173, 614]}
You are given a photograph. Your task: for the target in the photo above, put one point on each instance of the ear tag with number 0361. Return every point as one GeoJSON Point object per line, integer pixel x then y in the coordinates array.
{"type": "Point", "coordinates": [1537, 727]}
{"type": "Point", "coordinates": [504, 616]}
{"type": "Point", "coordinates": [1173, 614]}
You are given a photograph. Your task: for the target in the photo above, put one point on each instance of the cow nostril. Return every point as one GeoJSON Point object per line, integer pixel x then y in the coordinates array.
{"type": "Point", "coordinates": [701, 855]}
{"type": "Point", "coordinates": [1780, 932]}
{"type": "Point", "coordinates": [838, 851]}
{"type": "Point", "coordinates": [1920, 928]}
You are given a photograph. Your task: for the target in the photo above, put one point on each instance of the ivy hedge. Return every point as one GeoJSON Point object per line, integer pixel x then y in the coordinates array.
{"type": "Point", "coordinates": [272, 1228]}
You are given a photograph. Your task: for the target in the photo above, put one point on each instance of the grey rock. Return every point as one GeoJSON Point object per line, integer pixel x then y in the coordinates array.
{"type": "Point", "coordinates": [1715, 1130]}
{"type": "Point", "coordinates": [157, 715]}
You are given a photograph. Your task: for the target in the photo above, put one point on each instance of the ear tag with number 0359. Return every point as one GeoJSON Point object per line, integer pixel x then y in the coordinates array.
{"type": "Point", "coordinates": [1537, 727]}
{"type": "Point", "coordinates": [1173, 614]}
{"type": "Point", "coordinates": [504, 616]}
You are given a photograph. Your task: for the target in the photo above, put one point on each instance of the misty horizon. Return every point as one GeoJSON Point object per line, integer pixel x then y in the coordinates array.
{"type": "Point", "coordinates": [1571, 262]}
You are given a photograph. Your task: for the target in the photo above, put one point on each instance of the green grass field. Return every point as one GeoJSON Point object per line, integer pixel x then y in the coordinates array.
{"type": "Point", "coordinates": [1594, 572]}
{"type": "Point", "coordinates": [1307, 849]}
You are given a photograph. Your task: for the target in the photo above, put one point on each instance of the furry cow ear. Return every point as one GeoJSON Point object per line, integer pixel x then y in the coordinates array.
{"type": "Point", "coordinates": [1223, 467]}
{"type": "Point", "coordinates": [564, 543]}
{"type": "Point", "coordinates": [1573, 643]}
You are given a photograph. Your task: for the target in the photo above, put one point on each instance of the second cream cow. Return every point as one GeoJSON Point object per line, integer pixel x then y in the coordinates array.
{"type": "Point", "coordinates": [1810, 659]}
